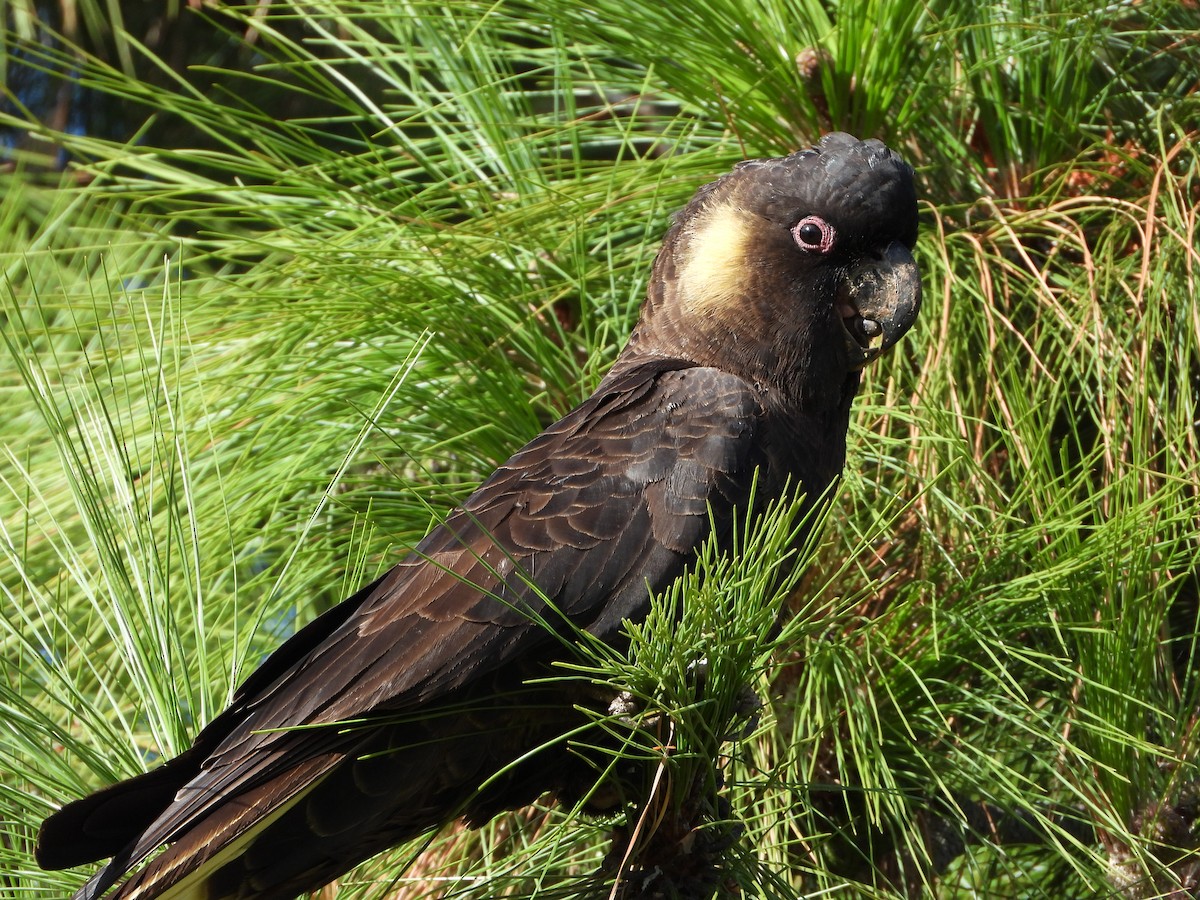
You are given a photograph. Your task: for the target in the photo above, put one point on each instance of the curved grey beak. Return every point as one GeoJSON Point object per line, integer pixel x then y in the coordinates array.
{"type": "Point", "coordinates": [879, 302]}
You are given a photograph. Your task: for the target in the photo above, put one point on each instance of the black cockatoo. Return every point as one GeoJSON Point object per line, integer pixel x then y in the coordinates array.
{"type": "Point", "coordinates": [383, 717]}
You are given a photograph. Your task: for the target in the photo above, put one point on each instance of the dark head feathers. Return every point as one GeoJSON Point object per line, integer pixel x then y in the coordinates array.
{"type": "Point", "coordinates": [732, 263]}
{"type": "Point", "coordinates": [861, 183]}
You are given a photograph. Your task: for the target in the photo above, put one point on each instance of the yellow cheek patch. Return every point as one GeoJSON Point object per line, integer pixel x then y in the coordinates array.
{"type": "Point", "coordinates": [713, 271]}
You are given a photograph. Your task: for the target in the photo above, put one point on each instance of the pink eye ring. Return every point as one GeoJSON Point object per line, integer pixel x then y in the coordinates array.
{"type": "Point", "coordinates": [814, 234]}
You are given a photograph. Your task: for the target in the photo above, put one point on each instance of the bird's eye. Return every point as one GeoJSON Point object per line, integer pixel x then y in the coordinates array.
{"type": "Point", "coordinates": [814, 234]}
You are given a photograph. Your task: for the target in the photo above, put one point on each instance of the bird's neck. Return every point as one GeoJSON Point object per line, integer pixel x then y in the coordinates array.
{"type": "Point", "coordinates": [806, 401]}
{"type": "Point", "coordinates": [815, 389]}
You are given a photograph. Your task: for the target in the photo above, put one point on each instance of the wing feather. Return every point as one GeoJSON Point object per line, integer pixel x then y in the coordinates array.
{"type": "Point", "coordinates": [574, 531]}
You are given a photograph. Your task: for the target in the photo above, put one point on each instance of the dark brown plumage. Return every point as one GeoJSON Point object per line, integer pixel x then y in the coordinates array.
{"type": "Point", "coordinates": [773, 288]}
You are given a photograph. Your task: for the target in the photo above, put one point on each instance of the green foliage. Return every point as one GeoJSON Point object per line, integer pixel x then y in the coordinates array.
{"type": "Point", "coordinates": [288, 303]}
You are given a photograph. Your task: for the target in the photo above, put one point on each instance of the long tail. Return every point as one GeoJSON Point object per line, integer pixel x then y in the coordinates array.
{"type": "Point", "coordinates": [103, 824]}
